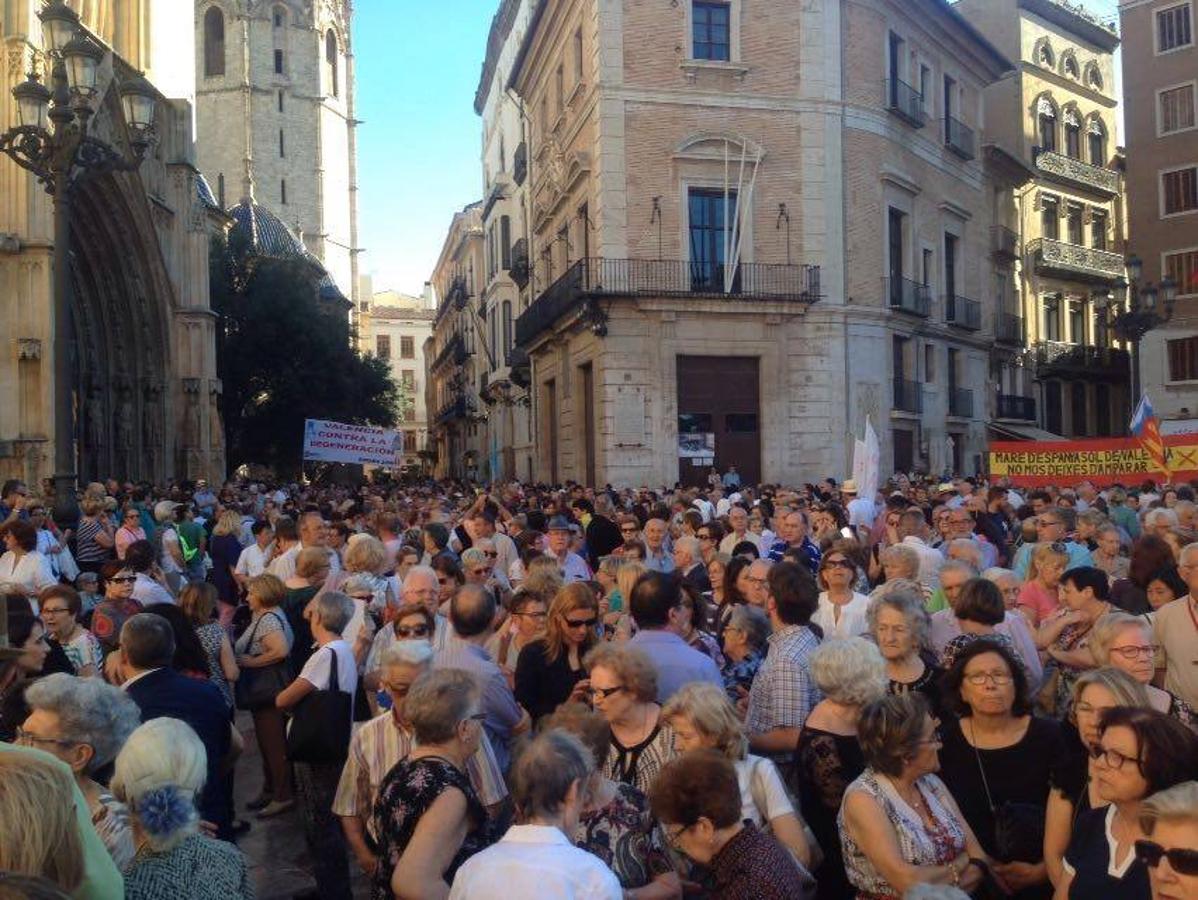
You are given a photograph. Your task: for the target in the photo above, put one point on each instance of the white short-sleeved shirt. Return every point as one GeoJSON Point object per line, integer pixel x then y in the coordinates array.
{"type": "Point", "coordinates": [316, 669]}
{"type": "Point", "coordinates": [761, 785]}
{"type": "Point", "coordinates": [252, 561]}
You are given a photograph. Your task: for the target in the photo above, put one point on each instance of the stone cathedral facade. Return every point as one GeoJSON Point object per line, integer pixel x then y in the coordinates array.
{"type": "Point", "coordinates": [275, 115]}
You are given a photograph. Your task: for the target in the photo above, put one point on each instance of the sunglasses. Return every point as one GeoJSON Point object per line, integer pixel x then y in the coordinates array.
{"type": "Point", "coordinates": [408, 631]}
{"type": "Point", "coordinates": [837, 564]}
{"type": "Point", "coordinates": [604, 693]}
{"type": "Point", "coordinates": [1182, 860]}
{"type": "Point", "coordinates": [582, 623]}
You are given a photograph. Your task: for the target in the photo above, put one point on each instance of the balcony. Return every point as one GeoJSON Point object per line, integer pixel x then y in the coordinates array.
{"type": "Point", "coordinates": [958, 137]}
{"type": "Point", "coordinates": [905, 102]}
{"type": "Point", "coordinates": [1058, 359]}
{"type": "Point", "coordinates": [1006, 242]}
{"type": "Point", "coordinates": [908, 396]}
{"type": "Point", "coordinates": [905, 295]}
{"type": "Point", "coordinates": [592, 278]}
{"type": "Point", "coordinates": [1008, 329]}
{"type": "Point", "coordinates": [519, 270]}
{"type": "Point", "coordinates": [520, 164]}
{"type": "Point", "coordinates": [1074, 172]}
{"type": "Point", "coordinates": [1061, 259]}
{"type": "Point", "coordinates": [458, 293]}
{"type": "Point", "coordinates": [1013, 406]}
{"type": "Point", "coordinates": [456, 409]}
{"type": "Point", "coordinates": [960, 403]}
{"type": "Point", "coordinates": [963, 312]}
{"type": "Point", "coordinates": [520, 367]}
{"type": "Point", "coordinates": [455, 350]}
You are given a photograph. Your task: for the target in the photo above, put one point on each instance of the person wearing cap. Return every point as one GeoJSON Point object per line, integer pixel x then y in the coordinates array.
{"type": "Point", "coordinates": [573, 566]}
{"type": "Point", "coordinates": [861, 510]}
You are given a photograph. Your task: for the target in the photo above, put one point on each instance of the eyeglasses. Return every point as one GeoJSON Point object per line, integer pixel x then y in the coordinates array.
{"type": "Point", "coordinates": [582, 623]}
{"type": "Point", "coordinates": [935, 738]}
{"type": "Point", "coordinates": [408, 631]}
{"type": "Point", "coordinates": [1182, 860]}
{"type": "Point", "coordinates": [1047, 523]}
{"type": "Point", "coordinates": [977, 679]}
{"type": "Point", "coordinates": [123, 579]}
{"type": "Point", "coordinates": [628, 529]}
{"type": "Point", "coordinates": [531, 615]}
{"type": "Point", "coordinates": [837, 564]}
{"type": "Point", "coordinates": [398, 690]}
{"type": "Point", "coordinates": [604, 693]}
{"type": "Point", "coordinates": [54, 610]}
{"type": "Point", "coordinates": [1140, 651]}
{"type": "Point", "coordinates": [1112, 759]}
{"type": "Point", "coordinates": [673, 836]}
{"type": "Point", "coordinates": [491, 554]}
{"type": "Point", "coordinates": [31, 740]}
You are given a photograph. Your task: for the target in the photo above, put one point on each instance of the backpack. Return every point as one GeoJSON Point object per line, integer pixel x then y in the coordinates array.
{"type": "Point", "coordinates": [189, 551]}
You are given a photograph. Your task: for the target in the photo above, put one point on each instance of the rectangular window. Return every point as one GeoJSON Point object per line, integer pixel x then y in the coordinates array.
{"type": "Point", "coordinates": [408, 379]}
{"type": "Point", "coordinates": [1183, 359]}
{"type": "Point", "coordinates": [560, 87]}
{"type": "Point", "coordinates": [1177, 109]}
{"type": "Point", "coordinates": [278, 62]}
{"type": "Point", "coordinates": [409, 442]}
{"type": "Point", "coordinates": [1074, 221]}
{"type": "Point", "coordinates": [407, 347]}
{"type": "Point", "coordinates": [1077, 321]}
{"type": "Point", "coordinates": [1183, 269]}
{"type": "Point", "coordinates": [1180, 190]}
{"type": "Point", "coordinates": [929, 363]}
{"type": "Point", "coordinates": [926, 272]}
{"type": "Point", "coordinates": [382, 346]}
{"type": "Point", "coordinates": [578, 66]}
{"type": "Point", "coordinates": [280, 101]}
{"type": "Point", "coordinates": [507, 327]}
{"type": "Point", "coordinates": [1073, 141]}
{"type": "Point", "coordinates": [710, 221]}
{"type": "Point", "coordinates": [283, 191]}
{"type": "Point", "coordinates": [505, 242]}
{"type": "Point", "coordinates": [409, 413]}
{"type": "Point", "coordinates": [1050, 221]}
{"type": "Point", "coordinates": [282, 146]}
{"type": "Point", "coordinates": [1098, 230]}
{"type": "Point", "coordinates": [1052, 319]}
{"type": "Point", "coordinates": [1173, 28]}
{"type": "Point", "coordinates": [711, 30]}
{"type": "Point", "coordinates": [950, 265]}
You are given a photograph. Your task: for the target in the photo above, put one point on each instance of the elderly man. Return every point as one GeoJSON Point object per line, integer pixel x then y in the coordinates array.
{"type": "Point", "coordinates": [313, 532]}
{"type": "Point", "coordinates": [1176, 629]}
{"type": "Point", "coordinates": [759, 583]}
{"type": "Point", "coordinates": [658, 558]}
{"type": "Point", "coordinates": [952, 577]}
{"type": "Point", "coordinates": [383, 741]}
{"type": "Point", "coordinates": [1054, 524]}
{"type": "Point", "coordinates": [573, 566]}
{"type": "Point", "coordinates": [1160, 521]}
{"type": "Point", "coordinates": [688, 563]}
{"type": "Point", "coordinates": [946, 625]}
{"type": "Point", "coordinates": [420, 588]}
{"type": "Point", "coordinates": [792, 532]}
{"type": "Point", "coordinates": [655, 604]}
{"type": "Point", "coordinates": [913, 532]}
{"type": "Point", "coordinates": [960, 528]}
{"type": "Point", "coordinates": [738, 524]}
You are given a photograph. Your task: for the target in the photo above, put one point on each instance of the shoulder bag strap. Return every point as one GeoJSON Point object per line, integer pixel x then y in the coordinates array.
{"type": "Point", "coordinates": [334, 665]}
{"type": "Point", "coordinates": [981, 770]}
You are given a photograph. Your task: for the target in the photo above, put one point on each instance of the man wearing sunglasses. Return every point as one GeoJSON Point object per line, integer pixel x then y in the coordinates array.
{"type": "Point", "coordinates": [1054, 524]}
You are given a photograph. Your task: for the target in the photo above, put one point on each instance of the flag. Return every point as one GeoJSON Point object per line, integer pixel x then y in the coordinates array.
{"type": "Point", "coordinates": [1147, 429]}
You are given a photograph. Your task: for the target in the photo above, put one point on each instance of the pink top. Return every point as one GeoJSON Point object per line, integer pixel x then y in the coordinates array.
{"type": "Point", "coordinates": [126, 536]}
{"type": "Point", "coordinates": [1039, 599]}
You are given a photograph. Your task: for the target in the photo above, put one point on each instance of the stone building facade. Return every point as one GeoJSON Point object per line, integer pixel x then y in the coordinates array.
{"type": "Point", "coordinates": [1058, 117]}
{"type": "Point", "coordinates": [395, 327]}
{"type": "Point", "coordinates": [750, 232]}
{"type": "Point", "coordinates": [275, 115]}
{"type": "Point", "coordinates": [1160, 88]}
{"type": "Point", "coordinates": [454, 362]}
{"type": "Point", "coordinates": [146, 392]}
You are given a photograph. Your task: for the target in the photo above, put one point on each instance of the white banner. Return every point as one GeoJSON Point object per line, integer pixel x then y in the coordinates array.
{"type": "Point", "coordinates": [361, 444]}
{"type": "Point", "coordinates": [867, 487]}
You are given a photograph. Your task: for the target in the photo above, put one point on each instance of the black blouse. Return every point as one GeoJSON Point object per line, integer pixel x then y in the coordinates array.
{"type": "Point", "coordinates": [543, 686]}
{"type": "Point", "coordinates": [825, 765]}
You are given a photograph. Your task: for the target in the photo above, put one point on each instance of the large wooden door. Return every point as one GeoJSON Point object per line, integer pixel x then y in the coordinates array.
{"type": "Point", "coordinates": [721, 395]}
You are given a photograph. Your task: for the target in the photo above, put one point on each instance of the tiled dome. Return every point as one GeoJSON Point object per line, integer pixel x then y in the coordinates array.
{"type": "Point", "coordinates": [264, 232]}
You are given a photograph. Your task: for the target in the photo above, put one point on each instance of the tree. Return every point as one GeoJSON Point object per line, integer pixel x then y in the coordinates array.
{"type": "Point", "coordinates": [284, 355]}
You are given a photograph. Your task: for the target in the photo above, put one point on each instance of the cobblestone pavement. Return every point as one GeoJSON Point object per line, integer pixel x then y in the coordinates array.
{"type": "Point", "coordinates": [275, 848]}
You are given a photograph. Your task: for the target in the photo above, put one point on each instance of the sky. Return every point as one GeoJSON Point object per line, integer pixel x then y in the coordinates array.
{"type": "Point", "coordinates": [417, 67]}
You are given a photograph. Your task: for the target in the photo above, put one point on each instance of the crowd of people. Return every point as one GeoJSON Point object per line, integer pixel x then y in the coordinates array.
{"type": "Point", "coordinates": [945, 689]}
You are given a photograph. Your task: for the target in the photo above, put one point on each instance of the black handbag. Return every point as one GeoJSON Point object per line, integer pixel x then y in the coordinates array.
{"type": "Point", "coordinates": [257, 688]}
{"type": "Point", "coordinates": [1018, 826]}
{"type": "Point", "coordinates": [320, 726]}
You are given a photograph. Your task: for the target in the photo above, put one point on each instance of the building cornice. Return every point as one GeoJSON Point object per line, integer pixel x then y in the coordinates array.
{"type": "Point", "coordinates": [1076, 20]}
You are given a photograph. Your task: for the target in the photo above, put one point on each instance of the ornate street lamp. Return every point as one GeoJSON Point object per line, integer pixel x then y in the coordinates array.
{"type": "Point", "coordinates": [62, 154]}
{"type": "Point", "coordinates": [1148, 307]}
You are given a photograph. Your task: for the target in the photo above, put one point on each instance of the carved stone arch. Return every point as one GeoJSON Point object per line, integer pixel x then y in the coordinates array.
{"type": "Point", "coordinates": [1092, 76]}
{"type": "Point", "coordinates": [709, 145]}
{"type": "Point", "coordinates": [1071, 116]}
{"type": "Point", "coordinates": [1044, 105]}
{"type": "Point", "coordinates": [1043, 54]}
{"type": "Point", "coordinates": [1095, 125]}
{"type": "Point", "coordinates": [1070, 67]}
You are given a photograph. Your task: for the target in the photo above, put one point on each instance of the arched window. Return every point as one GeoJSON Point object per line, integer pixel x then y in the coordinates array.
{"type": "Point", "coordinates": [1044, 55]}
{"type": "Point", "coordinates": [1097, 139]}
{"type": "Point", "coordinates": [214, 42]}
{"type": "Point", "coordinates": [330, 62]}
{"type": "Point", "coordinates": [1046, 122]}
{"type": "Point", "coordinates": [1073, 134]}
{"type": "Point", "coordinates": [1094, 76]}
{"type": "Point", "coordinates": [1070, 66]}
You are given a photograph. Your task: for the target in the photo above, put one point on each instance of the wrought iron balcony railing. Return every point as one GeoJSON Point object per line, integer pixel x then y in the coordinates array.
{"type": "Point", "coordinates": [1008, 329]}
{"type": "Point", "coordinates": [906, 102]}
{"type": "Point", "coordinates": [520, 271]}
{"type": "Point", "coordinates": [1061, 258]}
{"type": "Point", "coordinates": [595, 277]}
{"type": "Point", "coordinates": [1006, 242]}
{"type": "Point", "coordinates": [958, 137]}
{"type": "Point", "coordinates": [1013, 406]}
{"type": "Point", "coordinates": [1080, 360]}
{"type": "Point", "coordinates": [908, 396]}
{"type": "Point", "coordinates": [963, 312]}
{"type": "Point", "coordinates": [908, 296]}
{"type": "Point", "coordinates": [1060, 167]}
{"type": "Point", "coordinates": [960, 403]}
{"type": "Point", "coordinates": [520, 164]}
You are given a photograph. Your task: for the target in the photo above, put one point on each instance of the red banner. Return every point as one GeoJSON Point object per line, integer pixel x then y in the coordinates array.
{"type": "Point", "coordinates": [1103, 462]}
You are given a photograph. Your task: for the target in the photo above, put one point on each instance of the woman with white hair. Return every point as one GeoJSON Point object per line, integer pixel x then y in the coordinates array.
{"type": "Point", "coordinates": [850, 672]}
{"type": "Point", "coordinates": [1169, 822]}
{"type": "Point", "coordinates": [159, 774]}
{"type": "Point", "coordinates": [1126, 643]}
{"type": "Point", "coordinates": [365, 559]}
{"type": "Point", "coordinates": [1008, 584]}
{"type": "Point", "coordinates": [900, 562]}
{"type": "Point", "coordinates": [901, 627]}
{"type": "Point", "coordinates": [84, 722]}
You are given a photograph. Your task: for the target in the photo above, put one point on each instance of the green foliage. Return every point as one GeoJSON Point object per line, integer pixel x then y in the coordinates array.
{"type": "Point", "coordinates": [284, 356]}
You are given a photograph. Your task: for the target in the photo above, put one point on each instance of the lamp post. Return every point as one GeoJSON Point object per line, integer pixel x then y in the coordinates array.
{"type": "Point", "coordinates": [1148, 307]}
{"type": "Point", "coordinates": [61, 153]}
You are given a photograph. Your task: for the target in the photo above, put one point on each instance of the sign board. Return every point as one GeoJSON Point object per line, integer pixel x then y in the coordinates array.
{"type": "Point", "coordinates": [360, 444]}
{"type": "Point", "coordinates": [697, 446]}
{"type": "Point", "coordinates": [1179, 426]}
{"type": "Point", "coordinates": [1103, 462]}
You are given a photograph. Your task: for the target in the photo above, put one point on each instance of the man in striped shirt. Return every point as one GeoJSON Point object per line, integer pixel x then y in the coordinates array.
{"type": "Point", "coordinates": [384, 741]}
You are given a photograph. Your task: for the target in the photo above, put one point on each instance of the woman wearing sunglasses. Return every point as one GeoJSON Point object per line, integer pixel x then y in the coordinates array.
{"type": "Point", "coordinates": [549, 671]}
{"type": "Point", "coordinates": [1169, 849]}
{"type": "Point", "coordinates": [841, 612]}
{"type": "Point", "coordinates": [1139, 752]}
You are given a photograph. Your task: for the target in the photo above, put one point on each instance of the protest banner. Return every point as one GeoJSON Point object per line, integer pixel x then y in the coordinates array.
{"type": "Point", "coordinates": [1103, 462]}
{"type": "Point", "coordinates": [360, 444]}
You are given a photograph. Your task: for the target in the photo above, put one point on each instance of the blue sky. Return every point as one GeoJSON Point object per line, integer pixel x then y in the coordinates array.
{"type": "Point", "coordinates": [418, 151]}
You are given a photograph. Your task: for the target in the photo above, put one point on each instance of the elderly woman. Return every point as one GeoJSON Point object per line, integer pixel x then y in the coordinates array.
{"type": "Point", "coordinates": [978, 610]}
{"type": "Point", "coordinates": [365, 559]}
{"type": "Point", "coordinates": [1169, 822]}
{"type": "Point", "coordinates": [316, 783]}
{"type": "Point", "coordinates": [900, 562]}
{"type": "Point", "coordinates": [703, 718]}
{"type": "Point", "coordinates": [841, 610]}
{"type": "Point", "coordinates": [427, 818]}
{"type": "Point", "coordinates": [266, 642]}
{"type": "Point", "coordinates": [61, 608]}
{"type": "Point", "coordinates": [95, 536]}
{"type": "Point", "coordinates": [85, 722]}
{"type": "Point", "coordinates": [901, 627]}
{"type": "Point", "coordinates": [697, 798]}
{"type": "Point", "coordinates": [623, 688]}
{"type": "Point", "coordinates": [1126, 643]}
{"type": "Point", "coordinates": [899, 825]}
{"type": "Point", "coordinates": [159, 773]}
{"type": "Point", "coordinates": [130, 531]}
{"type": "Point", "coordinates": [998, 756]}
{"type": "Point", "coordinates": [535, 858]}
{"type": "Point", "coordinates": [1065, 636]}
{"type": "Point", "coordinates": [22, 566]}
{"type": "Point", "coordinates": [550, 669]}
{"type": "Point", "coordinates": [745, 637]}
{"type": "Point", "coordinates": [615, 823]}
{"type": "Point", "coordinates": [1008, 584]}
{"type": "Point", "coordinates": [1107, 555]}
{"type": "Point", "coordinates": [50, 846]}
{"type": "Point", "coordinates": [1139, 752]}
{"type": "Point", "coordinates": [850, 673]}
